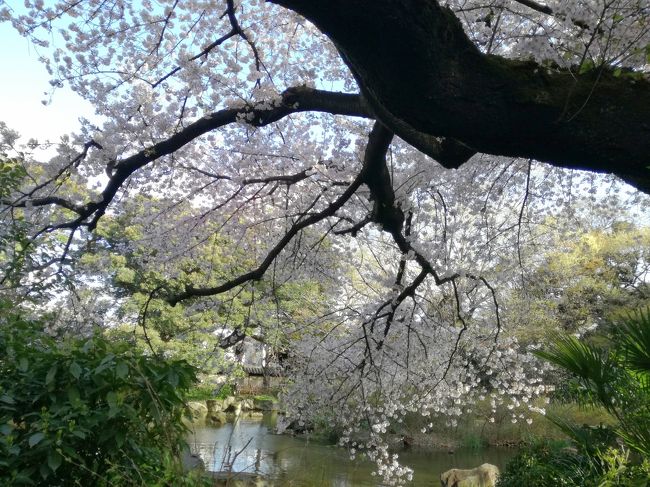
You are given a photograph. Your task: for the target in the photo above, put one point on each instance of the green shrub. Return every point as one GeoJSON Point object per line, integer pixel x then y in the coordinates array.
{"type": "Point", "coordinates": [203, 392]}
{"type": "Point", "coordinates": [550, 465]}
{"type": "Point", "coordinates": [615, 378]}
{"type": "Point", "coordinates": [86, 411]}
{"type": "Point", "coordinates": [616, 470]}
{"type": "Point", "coordinates": [545, 465]}
{"type": "Point", "coordinates": [225, 391]}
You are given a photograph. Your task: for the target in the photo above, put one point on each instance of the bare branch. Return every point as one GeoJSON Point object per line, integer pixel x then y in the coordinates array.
{"type": "Point", "coordinates": [545, 9]}
{"type": "Point", "coordinates": [294, 100]}
{"type": "Point", "coordinates": [258, 272]}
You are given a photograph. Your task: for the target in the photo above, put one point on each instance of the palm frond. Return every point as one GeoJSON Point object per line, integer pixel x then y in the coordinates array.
{"type": "Point", "coordinates": [635, 433]}
{"type": "Point", "coordinates": [588, 363]}
{"type": "Point", "coordinates": [634, 339]}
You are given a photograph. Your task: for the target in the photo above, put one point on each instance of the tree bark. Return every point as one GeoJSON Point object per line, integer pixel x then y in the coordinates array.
{"type": "Point", "coordinates": [421, 73]}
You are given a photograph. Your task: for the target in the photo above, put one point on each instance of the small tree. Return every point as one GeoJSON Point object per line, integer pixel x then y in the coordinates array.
{"type": "Point", "coordinates": [86, 411]}
{"type": "Point", "coordinates": [617, 378]}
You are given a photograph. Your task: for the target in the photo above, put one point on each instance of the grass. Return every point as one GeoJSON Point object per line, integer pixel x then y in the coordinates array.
{"type": "Point", "coordinates": [475, 430]}
{"type": "Point", "coordinates": [265, 397]}
{"type": "Point", "coordinates": [205, 392]}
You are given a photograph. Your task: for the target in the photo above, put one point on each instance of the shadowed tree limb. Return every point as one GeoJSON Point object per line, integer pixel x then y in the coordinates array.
{"type": "Point", "coordinates": [374, 158]}
{"type": "Point", "coordinates": [418, 69]}
{"type": "Point", "coordinates": [293, 100]}
{"type": "Point", "coordinates": [259, 271]}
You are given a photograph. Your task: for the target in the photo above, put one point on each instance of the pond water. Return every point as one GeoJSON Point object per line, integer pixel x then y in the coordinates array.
{"type": "Point", "coordinates": [248, 445]}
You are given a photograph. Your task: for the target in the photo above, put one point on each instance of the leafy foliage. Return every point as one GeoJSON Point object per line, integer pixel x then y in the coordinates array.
{"type": "Point", "coordinates": [544, 465]}
{"type": "Point", "coordinates": [86, 411]}
{"type": "Point", "coordinates": [136, 277]}
{"type": "Point", "coordinates": [554, 465]}
{"type": "Point", "coordinates": [586, 278]}
{"type": "Point", "coordinates": [11, 174]}
{"type": "Point", "coordinates": [219, 126]}
{"type": "Point", "coordinates": [616, 378]}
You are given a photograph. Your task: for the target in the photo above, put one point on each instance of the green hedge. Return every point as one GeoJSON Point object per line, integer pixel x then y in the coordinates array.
{"type": "Point", "coordinates": [86, 411]}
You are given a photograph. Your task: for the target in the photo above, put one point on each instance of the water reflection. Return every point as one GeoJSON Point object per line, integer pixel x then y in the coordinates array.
{"type": "Point", "coordinates": [249, 446]}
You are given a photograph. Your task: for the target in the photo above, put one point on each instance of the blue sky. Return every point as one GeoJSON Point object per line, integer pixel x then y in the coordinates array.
{"type": "Point", "coordinates": [23, 84]}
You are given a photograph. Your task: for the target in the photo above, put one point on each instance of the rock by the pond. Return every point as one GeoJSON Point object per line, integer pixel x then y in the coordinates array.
{"type": "Point", "coordinates": [247, 405]}
{"type": "Point", "coordinates": [198, 410]}
{"type": "Point", "coordinates": [214, 406]}
{"type": "Point", "coordinates": [228, 401]}
{"type": "Point", "coordinates": [234, 408]}
{"type": "Point", "coordinates": [265, 404]}
{"type": "Point", "coordinates": [240, 479]}
{"type": "Point", "coordinates": [483, 476]}
{"type": "Point", "coordinates": [217, 418]}
{"type": "Point", "coordinates": [191, 461]}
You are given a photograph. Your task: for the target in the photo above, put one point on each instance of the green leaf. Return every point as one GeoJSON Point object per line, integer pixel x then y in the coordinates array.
{"type": "Point", "coordinates": [6, 429]}
{"type": "Point", "coordinates": [122, 370]}
{"type": "Point", "coordinates": [120, 437]}
{"type": "Point", "coordinates": [35, 439]}
{"type": "Point", "coordinates": [51, 374]}
{"type": "Point", "coordinates": [73, 395]}
{"type": "Point", "coordinates": [635, 341]}
{"type": "Point", "coordinates": [23, 478]}
{"type": "Point", "coordinates": [586, 66]}
{"type": "Point", "coordinates": [75, 370]}
{"type": "Point", "coordinates": [172, 378]}
{"type": "Point", "coordinates": [7, 399]}
{"type": "Point", "coordinates": [45, 472]}
{"type": "Point", "coordinates": [111, 399]}
{"type": "Point", "coordinates": [88, 346]}
{"type": "Point", "coordinates": [23, 364]}
{"type": "Point", "coordinates": [54, 460]}
{"type": "Point", "coordinates": [79, 434]}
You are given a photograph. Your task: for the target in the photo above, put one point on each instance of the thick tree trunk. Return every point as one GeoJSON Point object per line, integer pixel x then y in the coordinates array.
{"type": "Point", "coordinates": [421, 73]}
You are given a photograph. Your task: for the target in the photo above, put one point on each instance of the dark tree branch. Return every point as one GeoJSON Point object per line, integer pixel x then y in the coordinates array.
{"type": "Point", "coordinates": [378, 143]}
{"type": "Point", "coordinates": [545, 9]}
{"type": "Point", "coordinates": [391, 218]}
{"type": "Point", "coordinates": [294, 100]}
{"type": "Point", "coordinates": [45, 201]}
{"type": "Point", "coordinates": [418, 69]}
{"type": "Point", "coordinates": [377, 178]}
{"type": "Point", "coordinates": [354, 229]}
{"type": "Point", "coordinates": [73, 163]}
{"type": "Point", "coordinates": [287, 179]}
{"type": "Point", "coordinates": [258, 272]}
{"type": "Point", "coordinates": [203, 52]}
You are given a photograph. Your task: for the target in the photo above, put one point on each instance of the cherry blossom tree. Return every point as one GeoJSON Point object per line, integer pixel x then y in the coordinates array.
{"type": "Point", "coordinates": [407, 152]}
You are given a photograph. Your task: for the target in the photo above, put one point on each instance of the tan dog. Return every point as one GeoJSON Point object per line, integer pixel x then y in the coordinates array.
{"type": "Point", "coordinates": [483, 476]}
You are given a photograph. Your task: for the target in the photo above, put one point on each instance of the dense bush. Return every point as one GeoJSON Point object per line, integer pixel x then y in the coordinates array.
{"type": "Point", "coordinates": [552, 465]}
{"type": "Point", "coordinates": [203, 392]}
{"type": "Point", "coordinates": [86, 411]}
{"type": "Point", "coordinates": [544, 465]}
{"type": "Point", "coordinates": [615, 377]}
